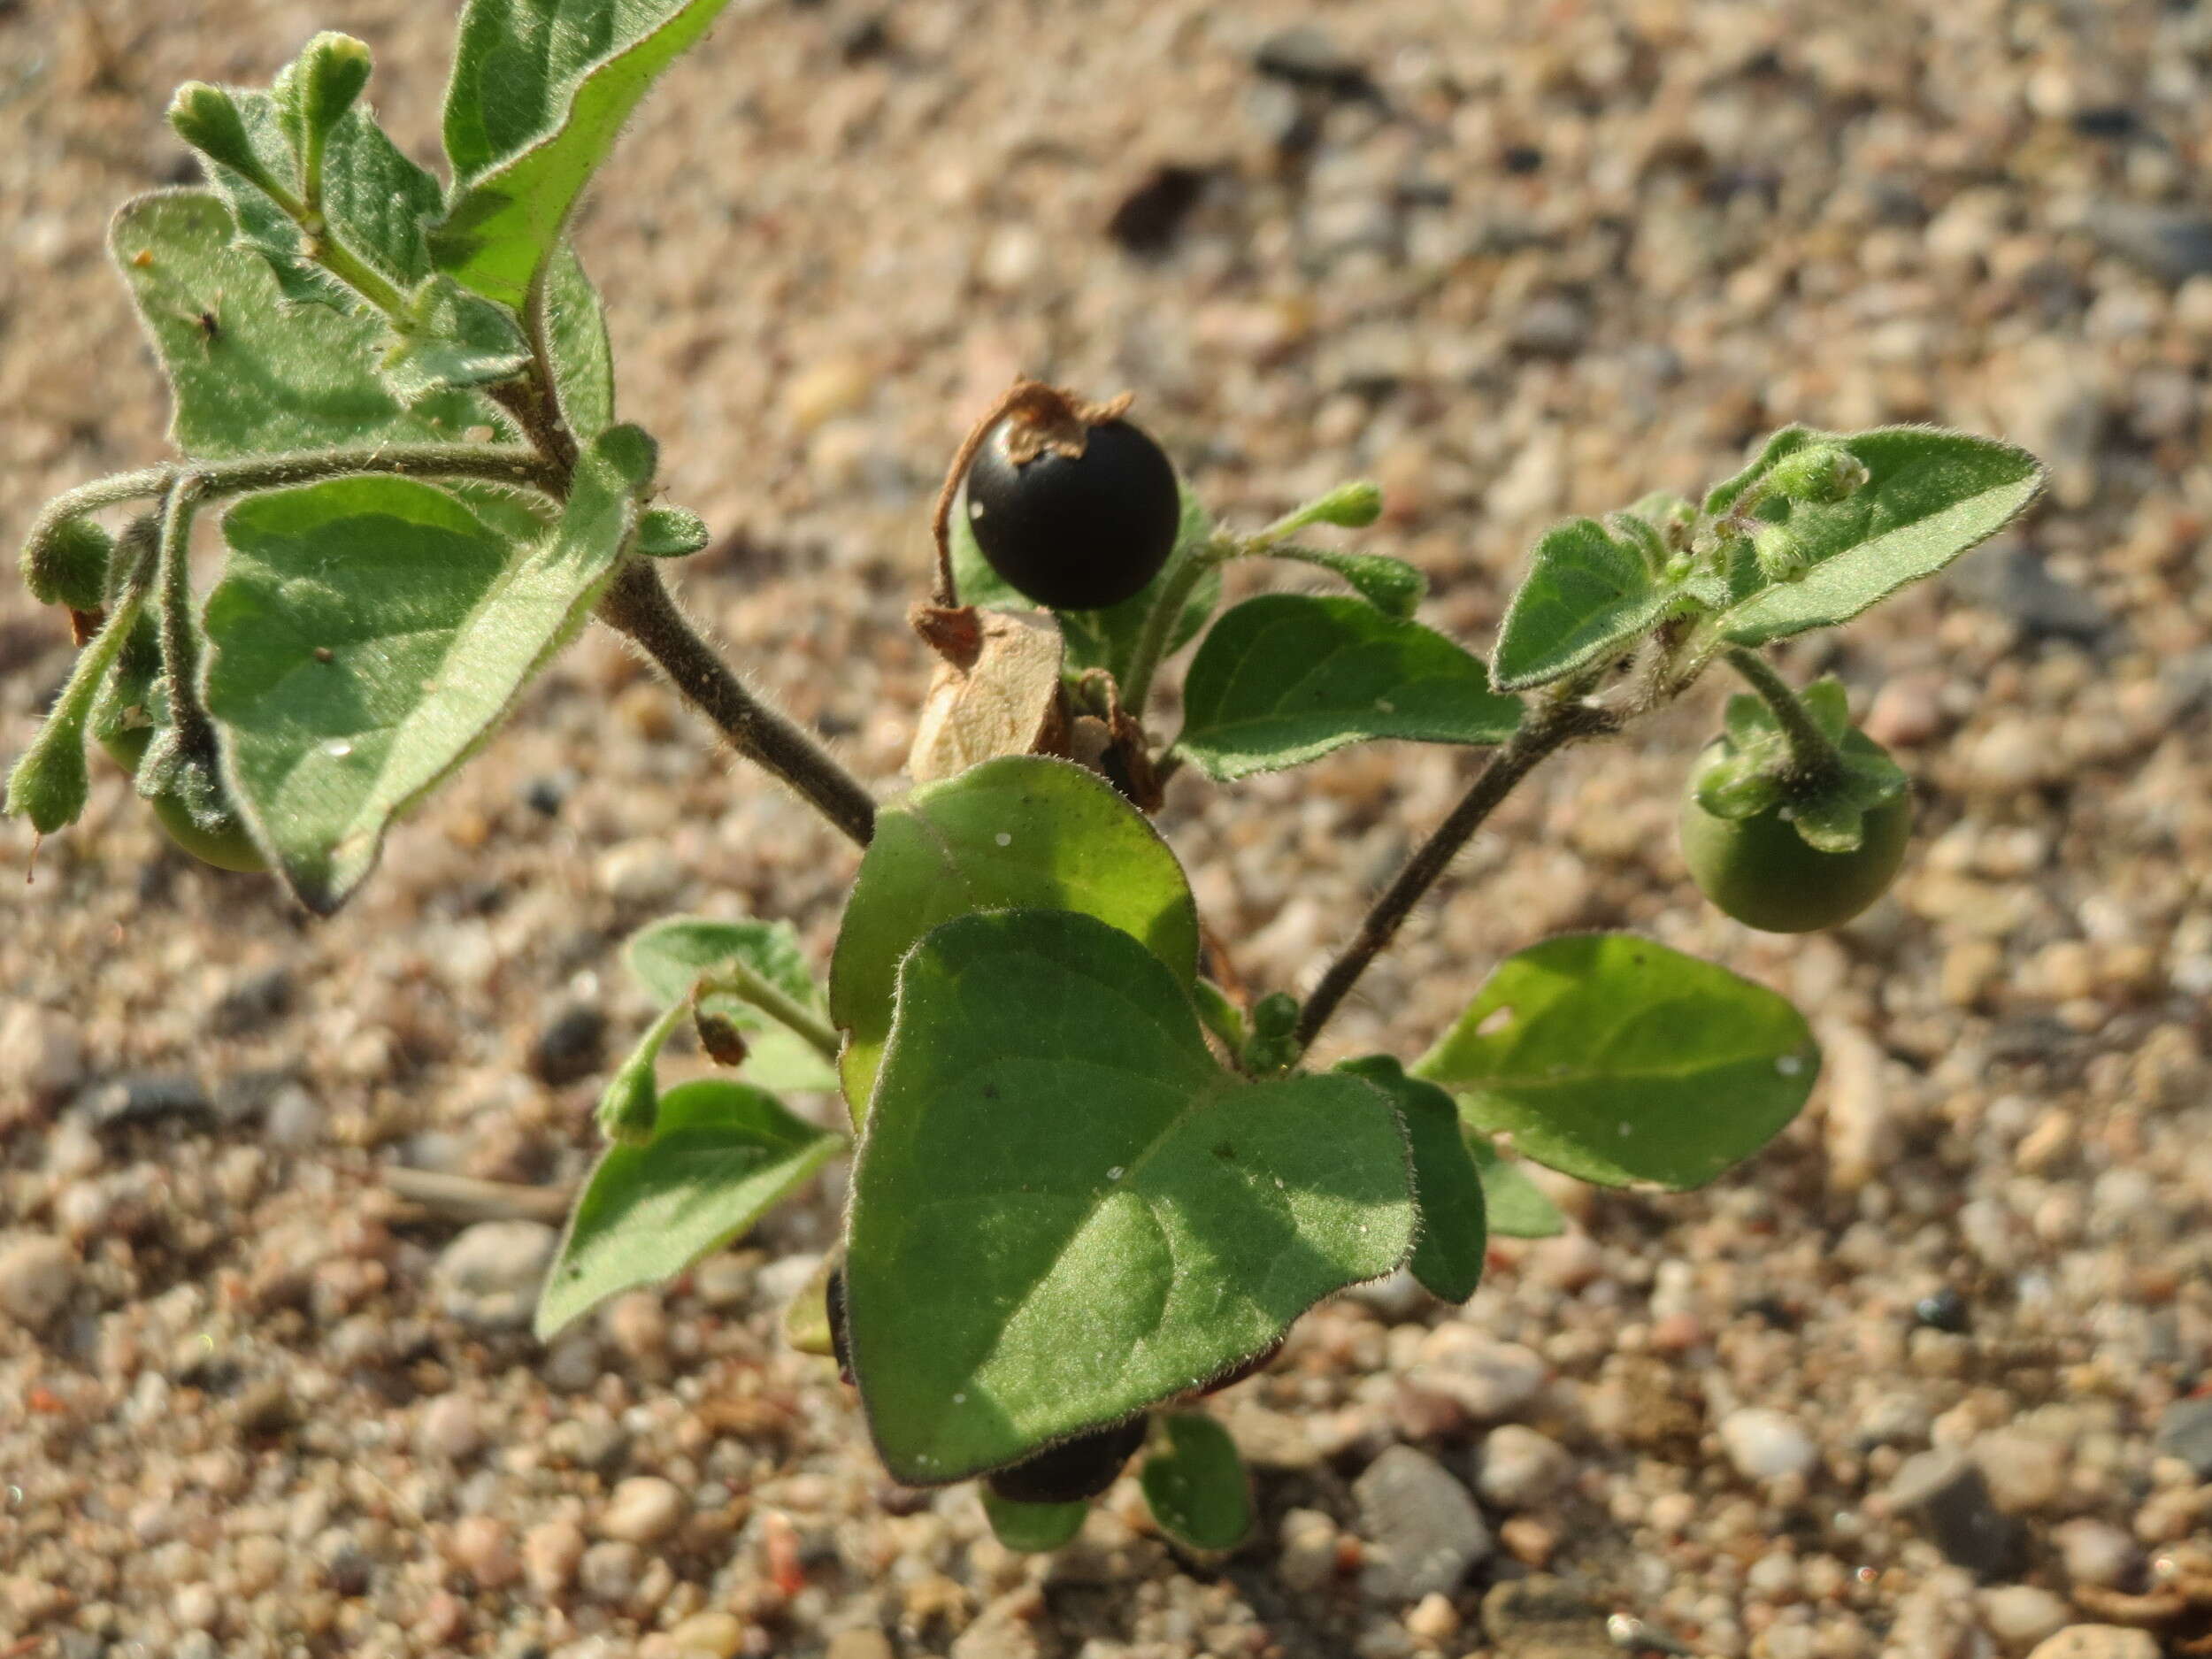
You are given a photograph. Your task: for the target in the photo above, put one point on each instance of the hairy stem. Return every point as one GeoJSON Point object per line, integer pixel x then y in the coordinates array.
{"type": "Point", "coordinates": [739, 980]}
{"type": "Point", "coordinates": [1812, 756]}
{"type": "Point", "coordinates": [492, 463]}
{"type": "Point", "coordinates": [638, 604]}
{"type": "Point", "coordinates": [1183, 576]}
{"type": "Point", "coordinates": [179, 641]}
{"type": "Point", "coordinates": [1547, 730]}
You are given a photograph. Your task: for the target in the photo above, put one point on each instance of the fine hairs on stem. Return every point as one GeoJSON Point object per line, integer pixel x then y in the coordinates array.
{"type": "Point", "coordinates": [1547, 730]}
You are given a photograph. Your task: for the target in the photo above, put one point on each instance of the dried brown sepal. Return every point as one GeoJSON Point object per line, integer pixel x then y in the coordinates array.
{"type": "Point", "coordinates": [997, 691]}
{"type": "Point", "coordinates": [719, 1036]}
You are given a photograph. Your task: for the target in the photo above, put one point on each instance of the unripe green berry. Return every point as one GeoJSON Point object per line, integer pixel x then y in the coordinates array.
{"type": "Point", "coordinates": [66, 564]}
{"type": "Point", "coordinates": [1781, 556]}
{"type": "Point", "coordinates": [206, 119]}
{"type": "Point", "coordinates": [631, 1106]}
{"type": "Point", "coordinates": [1824, 474]}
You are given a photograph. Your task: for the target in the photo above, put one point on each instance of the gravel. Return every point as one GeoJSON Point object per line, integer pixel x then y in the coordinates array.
{"type": "Point", "coordinates": [1516, 264]}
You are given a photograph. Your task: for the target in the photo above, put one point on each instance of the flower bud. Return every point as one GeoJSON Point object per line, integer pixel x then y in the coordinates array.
{"type": "Point", "coordinates": [1354, 506]}
{"type": "Point", "coordinates": [1822, 474]}
{"type": "Point", "coordinates": [328, 77]}
{"type": "Point", "coordinates": [206, 119]}
{"type": "Point", "coordinates": [49, 785]}
{"type": "Point", "coordinates": [1781, 556]}
{"type": "Point", "coordinates": [66, 564]}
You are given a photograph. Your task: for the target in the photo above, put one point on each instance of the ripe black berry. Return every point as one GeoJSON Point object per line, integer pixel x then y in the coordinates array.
{"type": "Point", "coordinates": [1083, 519]}
{"type": "Point", "coordinates": [1073, 1471]}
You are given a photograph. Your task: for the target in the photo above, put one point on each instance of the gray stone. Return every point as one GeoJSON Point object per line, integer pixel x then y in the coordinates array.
{"type": "Point", "coordinates": [1945, 1491]}
{"type": "Point", "coordinates": [488, 1277]}
{"type": "Point", "coordinates": [140, 1100]}
{"type": "Point", "coordinates": [1425, 1528]}
{"type": "Point", "coordinates": [2010, 579]}
{"type": "Point", "coordinates": [569, 1045]}
{"type": "Point", "coordinates": [2172, 245]}
{"type": "Point", "coordinates": [2185, 1431]}
{"type": "Point", "coordinates": [253, 1001]}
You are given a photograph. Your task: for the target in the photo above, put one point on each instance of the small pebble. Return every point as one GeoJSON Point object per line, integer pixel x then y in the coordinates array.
{"type": "Point", "coordinates": [1425, 1530]}
{"type": "Point", "coordinates": [37, 1276]}
{"type": "Point", "coordinates": [1766, 1445]}
{"type": "Point", "coordinates": [450, 1428]}
{"type": "Point", "coordinates": [721, 1635]}
{"type": "Point", "coordinates": [642, 1510]}
{"type": "Point", "coordinates": [609, 1571]}
{"type": "Point", "coordinates": [488, 1277]}
{"type": "Point", "coordinates": [2098, 1642]}
{"type": "Point", "coordinates": [2019, 1615]}
{"type": "Point", "coordinates": [550, 1551]}
{"type": "Point", "coordinates": [1520, 1469]}
{"type": "Point", "coordinates": [2098, 1553]}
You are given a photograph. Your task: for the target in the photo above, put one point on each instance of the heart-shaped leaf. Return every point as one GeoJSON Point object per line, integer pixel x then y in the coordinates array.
{"type": "Point", "coordinates": [1286, 678]}
{"type": "Point", "coordinates": [722, 1154]}
{"type": "Point", "coordinates": [1587, 595]}
{"type": "Point", "coordinates": [370, 632]}
{"type": "Point", "coordinates": [1618, 1060]}
{"type": "Point", "coordinates": [1020, 833]}
{"type": "Point", "coordinates": [1195, 1486]}
{"type": "Point", "coordinates": [1064, 1209]}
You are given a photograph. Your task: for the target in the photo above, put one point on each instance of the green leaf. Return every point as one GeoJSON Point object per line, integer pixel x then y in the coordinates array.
{"type": "Point", "coordinates": [271, 377]}
{"type": "Point", "coordinates": [1930, 496]}
{"type": "Point", "coordinates": [1392, 586]}
{"type": "Point", "coordinates": [1513, 1206]}
{"type": "Point", "coordinates": [1286, 678]}
{"type": "Point", "coordinates": [1587, 596]}
{"type": "Point", "coordinates": [1033, 1528]}
{"type": "Point", "coordinates": [540, 91]}
{"type": "Point", "coordinates": [1064, 1209]}
{"type": "Point", "coordinates": [583, 362]}
{"type": "Point", "coordinates": [668, 533]}
{"type": "Point", "coordinates": [1018, 832]}
{"type": "Point", "coordinates": [1618, 1060]}
{"type": "Point", "coordinates": [1196, 1486]}
{"type": "Point", "coordinates": [369, 632]}
{"type": "Point", "coordinates": [721, 1157]}
{"type": "Point", "coordinates": [1446, 1190]}
{"type": "Point", "coordinates": [669, 956]}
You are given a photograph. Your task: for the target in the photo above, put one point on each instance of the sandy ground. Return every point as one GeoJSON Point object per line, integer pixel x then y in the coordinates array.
{"type": "Point", "coordinates": [1916, 1381]}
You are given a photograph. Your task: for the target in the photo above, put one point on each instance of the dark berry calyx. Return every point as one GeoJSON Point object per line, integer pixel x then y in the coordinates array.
{"type": "Point", "coordinates": [1071, 503]}
{"type": "Point", "coordinates": [1073, 1471]}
